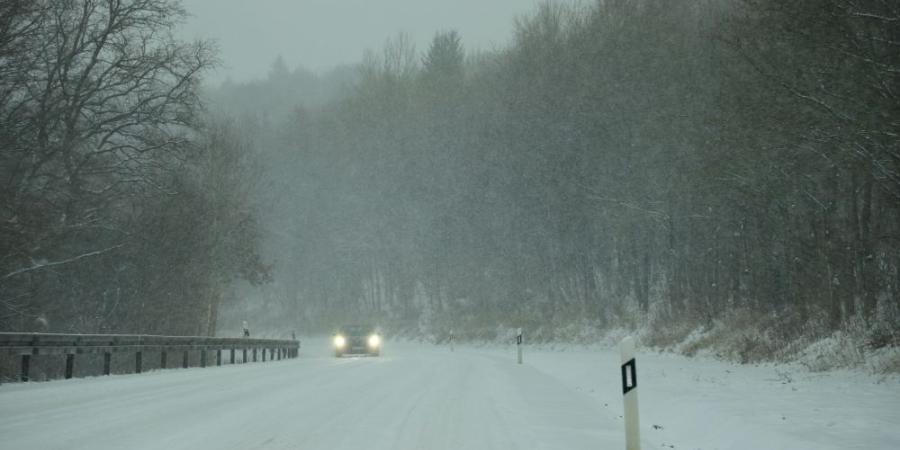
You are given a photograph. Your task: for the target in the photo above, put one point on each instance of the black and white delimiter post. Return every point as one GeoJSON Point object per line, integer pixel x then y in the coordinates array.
{"type": "Point", "coordinates": [519, 344]}
{"type": "Point", "coordinates": [629, 391]}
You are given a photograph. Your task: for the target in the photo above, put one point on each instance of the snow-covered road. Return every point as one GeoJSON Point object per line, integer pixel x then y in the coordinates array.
{"type": "Point", "coordinates": [425, 397]}
{"type": "Point", "coordinates": [410, 398]}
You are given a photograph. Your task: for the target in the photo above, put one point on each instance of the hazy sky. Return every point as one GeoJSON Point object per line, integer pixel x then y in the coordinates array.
{"type": "Point", "coordinates": [320, 34]}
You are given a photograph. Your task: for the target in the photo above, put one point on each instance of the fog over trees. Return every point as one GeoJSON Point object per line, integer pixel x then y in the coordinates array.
{"type": "Point", "coordinates": [731, 167]}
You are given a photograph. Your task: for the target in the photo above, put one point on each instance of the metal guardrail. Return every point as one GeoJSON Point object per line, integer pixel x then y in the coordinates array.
{"type": "Point", "coordinates": [26, 345]}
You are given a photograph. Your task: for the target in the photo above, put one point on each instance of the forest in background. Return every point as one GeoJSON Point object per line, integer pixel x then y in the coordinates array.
{"type": "Point", "coordinates": [726, 173]}
{"type": "Point", "coordinates": [721, 175]}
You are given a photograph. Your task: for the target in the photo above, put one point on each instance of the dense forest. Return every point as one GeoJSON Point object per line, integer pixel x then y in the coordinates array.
{"type": "Point", "coordinates": [728, 170]}
{"type": "Point", "coordinates": [728, 167]}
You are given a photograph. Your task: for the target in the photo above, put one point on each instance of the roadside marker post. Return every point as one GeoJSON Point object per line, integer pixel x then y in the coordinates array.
{"type": "Point", "coordinates": [629, 393]}
{"type": "Point", "coordinates": [519, 344]}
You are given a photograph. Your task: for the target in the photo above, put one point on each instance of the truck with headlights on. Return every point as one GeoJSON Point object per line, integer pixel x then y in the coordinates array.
{"type": "Point", "coordinates": [357, 340]}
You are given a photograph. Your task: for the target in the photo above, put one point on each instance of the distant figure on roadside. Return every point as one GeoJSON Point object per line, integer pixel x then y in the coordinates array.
{"type": "Point", "coordinates": [246, 329]}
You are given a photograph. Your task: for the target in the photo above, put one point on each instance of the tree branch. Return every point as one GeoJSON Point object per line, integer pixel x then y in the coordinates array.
{"type": "Point", "coordinates": [60, 263]}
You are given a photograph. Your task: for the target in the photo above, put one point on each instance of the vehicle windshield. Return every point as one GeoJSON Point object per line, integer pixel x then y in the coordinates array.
{"type": "Point", "coordinates": [357, 330]}
{"type": "Point", "coordinates": [449, 224]}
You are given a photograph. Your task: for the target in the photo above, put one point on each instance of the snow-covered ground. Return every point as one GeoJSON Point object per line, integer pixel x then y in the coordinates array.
{"type": "Point", "coordinates": [418, 396]}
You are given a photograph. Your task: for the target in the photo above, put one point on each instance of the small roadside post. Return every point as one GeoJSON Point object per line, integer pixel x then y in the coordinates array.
{"type": "Point", "coordinates": [519, 344]}
{"type": "Point", "coordinates": [629, 393]}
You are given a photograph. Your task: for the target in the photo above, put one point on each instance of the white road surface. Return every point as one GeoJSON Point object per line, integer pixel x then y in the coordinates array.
{"type": "Point", "coordinates": [425, 397]}
{"type": "Point", "coordinates": [410, 398]}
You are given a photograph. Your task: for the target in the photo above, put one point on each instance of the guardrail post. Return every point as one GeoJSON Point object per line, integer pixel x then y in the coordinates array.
{"type": "Point", "coordinates": [107, 362]}
{"type": "Point", "coordinates": [263, 354]}
{"type": "Point", "coordinates": [163, 356]}
{"type": "Point", "coordinates": [184, 360]}
{"type": "Point", "coordinates": [244, 360]}
{"type": "Point", "coordinates": [26, 366]}
{"type": "Point", "coordinates": [70, 364]}
{"type": "Point", "coordinates": [203, 358]}
{"type": "Point", "coordinates": [138, 363]}
{"type": "Point", "coordinates": [272, 354]}
{"type": "Point", "coordinates": [232, 355]}
{"type": "Point", "coordinates": [254, 354]}
{"type": "Point", "coordinates": [219, 357]}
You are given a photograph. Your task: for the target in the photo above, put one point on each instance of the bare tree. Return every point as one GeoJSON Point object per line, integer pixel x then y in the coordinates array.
{"type": "Point", "coordinates": [97, 116]}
